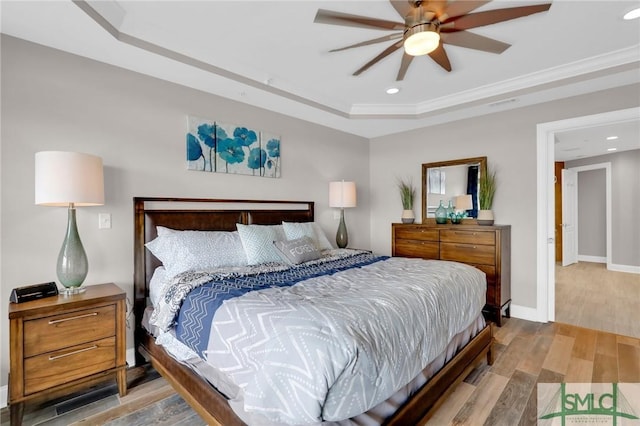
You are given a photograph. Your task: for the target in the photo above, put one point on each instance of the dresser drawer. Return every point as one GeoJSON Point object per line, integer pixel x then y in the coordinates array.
{"type": "Point", "coordinates": [468, 237]}
{"type": "Point", "coordinates": [416, 233]}
{"type": "Point", "coordinates": [468, 253]}
{"type": "Point", "coordinates": [72, 328]}
{"type": "Point", "coordinates": [490, 272]}
{"type": "Point", "coordinates": [59, 367]}
{"type": "Point", "coordinates": [417, 248]}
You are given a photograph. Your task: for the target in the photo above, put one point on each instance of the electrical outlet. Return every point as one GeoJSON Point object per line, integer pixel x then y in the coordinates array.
{"type": "Point", "coordinates": [336, 215]}
{"type": "Point", "coordinates": [104, 221]}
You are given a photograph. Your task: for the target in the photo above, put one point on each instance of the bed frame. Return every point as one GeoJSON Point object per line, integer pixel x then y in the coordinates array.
{"type": "Point", "coordinates": [222, 215]}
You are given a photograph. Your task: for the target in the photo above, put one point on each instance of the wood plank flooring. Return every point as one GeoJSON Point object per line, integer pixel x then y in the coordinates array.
{"type": "Point", "coordinates": [526, 353]}
{"type": "Point", "coordinates": [588, 295]}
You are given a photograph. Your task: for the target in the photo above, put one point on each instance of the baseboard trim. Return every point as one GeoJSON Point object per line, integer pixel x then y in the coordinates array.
{"type": "Point", "coordinates": [4, 394]}
{"type": "Point", "coordinates": [625, 268]}
{"type": "Point", "coordinates": [592, 259]}
{"type": "Point", "coordinates": [525, 313]}
{"type": "Point", "coordinates": [4, 390]}
{"type": "Point", "coordinates": [131, 357]}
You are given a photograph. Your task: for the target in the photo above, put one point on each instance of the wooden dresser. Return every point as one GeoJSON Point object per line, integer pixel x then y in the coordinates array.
{"type": "Point", "coordinates": [63, 344]}
{"type": "Point", "coordinates": [488, 248]}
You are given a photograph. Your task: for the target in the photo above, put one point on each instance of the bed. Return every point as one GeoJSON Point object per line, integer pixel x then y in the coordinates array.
{"type": "Point", "coordinates": [223, 215]}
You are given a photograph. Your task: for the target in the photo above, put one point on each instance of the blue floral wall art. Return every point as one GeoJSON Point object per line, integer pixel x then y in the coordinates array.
{"type": "Point", "coordinates": [227, 148]}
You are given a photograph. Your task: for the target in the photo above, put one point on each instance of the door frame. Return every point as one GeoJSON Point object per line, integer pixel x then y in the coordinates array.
{"type": "Point", "coordinates": [545, 199]}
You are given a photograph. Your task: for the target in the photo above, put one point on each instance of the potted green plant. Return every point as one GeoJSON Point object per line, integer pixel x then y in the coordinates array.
{"type": "Point", "coordinates": [407, 195]}
{"type": "Point", "coordinates": [487, 188]}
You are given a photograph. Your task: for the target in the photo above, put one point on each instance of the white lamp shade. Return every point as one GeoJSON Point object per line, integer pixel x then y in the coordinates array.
{"type": "Point", "coordinates": [69, 177]}
{"type": "Point", "coordinates": [464, 202]}
{"type": "Point", "coordinates": [342, 194]}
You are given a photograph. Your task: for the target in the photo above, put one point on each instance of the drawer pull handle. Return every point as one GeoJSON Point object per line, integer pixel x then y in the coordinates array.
{"type": "Point", "coordinates": [93, 314]}
{"type": "Point", "coordinates": [53, 358]}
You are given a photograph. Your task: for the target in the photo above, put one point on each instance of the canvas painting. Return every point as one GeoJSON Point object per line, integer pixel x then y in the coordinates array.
{"type": "Point", "coordinates": [229, 148]}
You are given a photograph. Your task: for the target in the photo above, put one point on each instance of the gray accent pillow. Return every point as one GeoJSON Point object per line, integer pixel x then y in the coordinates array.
{"type": "Point", "coordinates": [297, 251]}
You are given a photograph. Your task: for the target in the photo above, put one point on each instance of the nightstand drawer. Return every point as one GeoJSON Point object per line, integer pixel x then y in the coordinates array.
{"type": "Point", "coordinates": [75, 362]}
{"type": "Point", "coordinates": [468, 237]}
{"type": "Point", "coordinates": [72, 328]}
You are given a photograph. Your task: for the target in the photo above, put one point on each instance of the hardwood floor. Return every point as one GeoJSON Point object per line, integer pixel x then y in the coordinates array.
{"type": "Point", "coordinates": [526, 353]}
{"type": "Point", "coordinates": [588, 295]}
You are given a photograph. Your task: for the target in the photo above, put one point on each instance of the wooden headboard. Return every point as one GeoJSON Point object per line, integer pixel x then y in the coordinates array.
{"type": "Point", "coordinates": [199, 214]}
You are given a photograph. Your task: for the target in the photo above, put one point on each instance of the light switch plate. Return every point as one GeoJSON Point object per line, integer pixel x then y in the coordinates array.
{"type": "Point", "coordinates": [104, 221]}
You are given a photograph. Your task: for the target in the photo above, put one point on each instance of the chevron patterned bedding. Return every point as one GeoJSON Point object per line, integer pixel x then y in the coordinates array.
{"type": "Point", "coordinates": [326, 340]}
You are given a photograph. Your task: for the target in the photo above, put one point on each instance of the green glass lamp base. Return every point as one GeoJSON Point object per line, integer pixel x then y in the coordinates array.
{"type": "Point", "coordinates": [342, 239]}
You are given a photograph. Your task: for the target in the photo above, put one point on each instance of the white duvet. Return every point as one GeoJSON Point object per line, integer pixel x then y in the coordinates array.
{"type": "Point", "coordinates": [334, 346]}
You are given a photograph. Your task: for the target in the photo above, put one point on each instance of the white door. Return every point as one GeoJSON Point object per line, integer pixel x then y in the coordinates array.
{"type": "Point", "coordinates": [569, 217]}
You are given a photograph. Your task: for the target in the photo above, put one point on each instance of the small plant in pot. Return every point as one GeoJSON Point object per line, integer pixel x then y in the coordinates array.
{"type": "Point", "coordinates": [407, 195]}
{"type": "Point", "coordinates": [487, 191]}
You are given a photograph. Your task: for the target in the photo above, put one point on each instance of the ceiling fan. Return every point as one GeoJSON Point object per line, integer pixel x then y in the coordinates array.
{"type": "Point", "coordinates": [428, 25]}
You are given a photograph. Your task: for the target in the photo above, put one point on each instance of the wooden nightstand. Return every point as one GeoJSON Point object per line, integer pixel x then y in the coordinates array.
{"type": "Point", "coordinates": [63, 344]}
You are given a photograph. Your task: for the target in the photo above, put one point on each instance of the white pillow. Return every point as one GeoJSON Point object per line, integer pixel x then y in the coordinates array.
{"type": "Point", "coordinates": [257, 241]}
{"type": "Point", "coordinates": [295, 230]}
{"type": "Point", "coordinates": [155, 284]}
{"type": "Point", "coordinates": [181, 251]}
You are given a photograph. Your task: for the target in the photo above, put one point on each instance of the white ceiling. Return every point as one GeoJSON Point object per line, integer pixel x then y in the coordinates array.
{"type": "Point", "coordinates": [592, 141]}
{"type": "Point", "coordinates": [271, 54]}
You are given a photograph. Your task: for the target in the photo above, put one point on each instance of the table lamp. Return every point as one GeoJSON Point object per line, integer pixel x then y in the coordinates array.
{"type": "Point", "coordinates": [69, 179]}
{"type": "Point", "coordinates": [342, 195]}
{"type": "Point", "coordinates": [463, 203]}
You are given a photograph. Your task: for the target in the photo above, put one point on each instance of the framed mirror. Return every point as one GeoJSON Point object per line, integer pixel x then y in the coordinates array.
{"type": "Point", "coordinates": [446, 180]}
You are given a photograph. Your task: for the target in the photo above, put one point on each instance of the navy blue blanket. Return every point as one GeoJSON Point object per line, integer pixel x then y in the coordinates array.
{"type": "Point", "coordinates": [198, 308]}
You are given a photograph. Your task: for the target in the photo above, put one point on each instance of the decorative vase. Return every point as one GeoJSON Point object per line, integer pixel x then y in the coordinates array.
{"type": "Point", "coordinates": [450, 210]}
{"type": "Point", "coordinates": [485, 217]}
{"type": "Point", "coordinates": [342, 238]}
{"type": "Point", "coordinates": [441, 214]}
{"type": "Point", "coordinates": [408, 216]}
{"type": "Point", "coordinates": [72, 266]}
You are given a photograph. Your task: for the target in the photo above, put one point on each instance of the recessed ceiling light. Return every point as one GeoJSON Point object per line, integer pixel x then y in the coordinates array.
{"type": "Point", "coordinates": [392, 90]}
{"type": "Point", "coordinates": [612, 149]}
{"type": "Point", "coordinates": [612, 138]}
{"type": "Point", "coordinates": [632, 14]}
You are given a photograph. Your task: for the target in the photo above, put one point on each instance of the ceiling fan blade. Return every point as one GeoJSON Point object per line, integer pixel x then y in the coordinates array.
{"type": "Point", "coordinates": [404, 66]}
{"type": "Point", "coordinates": [345, 19]}
{"type": "Point", "coordinates": [368, 42]}
{"type": "Point", "coordinates": [474, 41]}
{"type": "Point", "coordinates": [461, 7]}
{"type": "Point", "coordinates": [440, 56]}
{"type": "Point", "coordinates": [489, 17]}
{"type": "Point", "coordinates": [386, 52]}
{"type": "Point", "coordinates": [403, 7]}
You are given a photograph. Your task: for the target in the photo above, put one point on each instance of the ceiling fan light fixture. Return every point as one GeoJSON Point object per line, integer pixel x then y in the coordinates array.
{"type": "Point", "coordinates": [421, 39]}
{"type": "Point", "coordinates": [632, 14]}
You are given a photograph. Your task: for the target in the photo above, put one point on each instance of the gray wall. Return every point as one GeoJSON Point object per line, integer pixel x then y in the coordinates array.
{"type": "Point", "coordinates": [592, 223]}
{"type": "Point", "coordinates": [55, 101]}
{"type": "Point", "coordinates": [625, 204]}
{"type": "Point", "coordinates": [508, 139]}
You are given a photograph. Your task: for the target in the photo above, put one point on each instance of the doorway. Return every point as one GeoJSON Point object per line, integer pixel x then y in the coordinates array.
{"type": "Point", "coordinates": [560, 213]}
{"type": "Point", "coordinates": [545, 307]}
